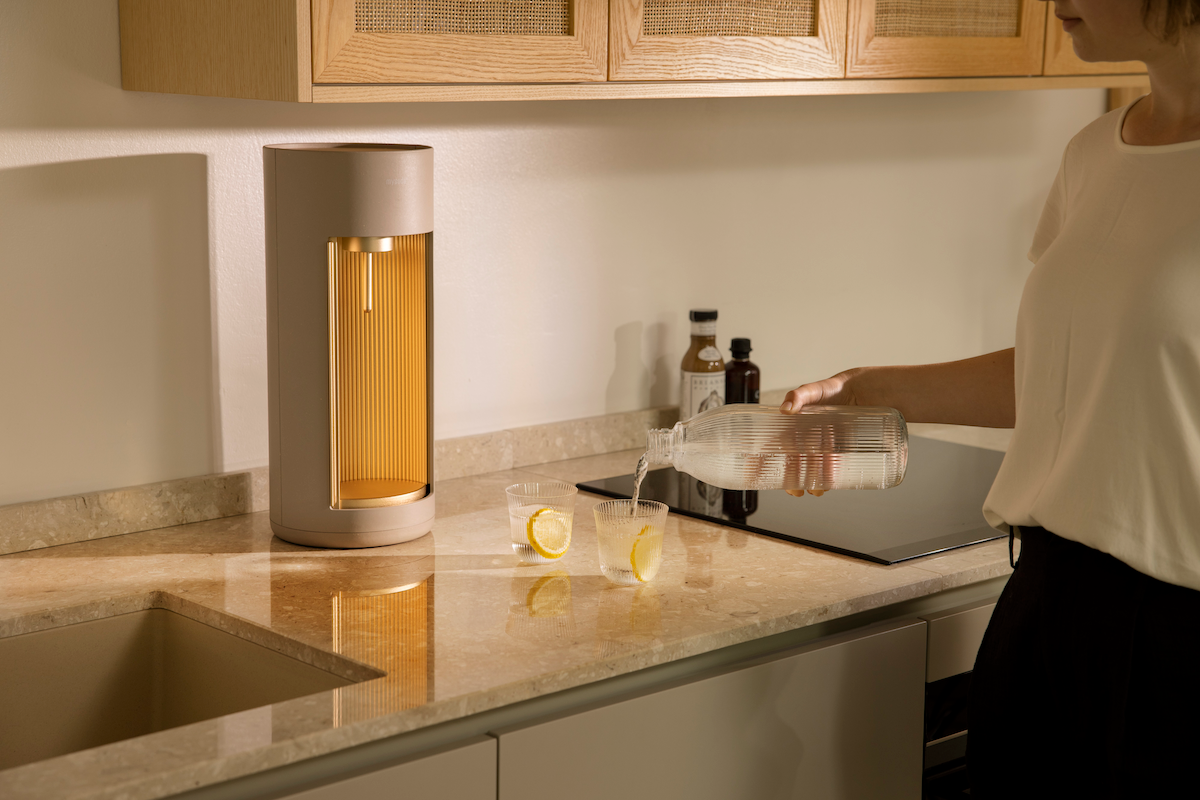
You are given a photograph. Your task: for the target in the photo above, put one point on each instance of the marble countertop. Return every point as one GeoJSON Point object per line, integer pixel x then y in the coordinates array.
{"type": "Point", "coordinates": [485, 630]}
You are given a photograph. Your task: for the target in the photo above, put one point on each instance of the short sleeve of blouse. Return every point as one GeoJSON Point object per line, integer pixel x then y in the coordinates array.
{"type": "Point", "coordinates": [1053, 213]}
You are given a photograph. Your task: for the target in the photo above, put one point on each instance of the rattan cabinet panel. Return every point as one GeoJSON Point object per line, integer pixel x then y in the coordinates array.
{"type": "Point", "coordinates": [458, 41]}
{"type": "Point", "coordinates": [726, 39]}
{"type": "Point", "coordinates": [945, 38]}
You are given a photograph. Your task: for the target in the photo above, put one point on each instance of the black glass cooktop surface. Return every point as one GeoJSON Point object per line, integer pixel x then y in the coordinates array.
{"type": "Point", "coordinates": [938, 506]}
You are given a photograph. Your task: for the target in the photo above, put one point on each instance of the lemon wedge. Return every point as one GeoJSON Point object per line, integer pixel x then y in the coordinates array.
{"type": "Point", "coordinates": [549, 532]}
{"type": "Point", "coordinates": [646, 555]}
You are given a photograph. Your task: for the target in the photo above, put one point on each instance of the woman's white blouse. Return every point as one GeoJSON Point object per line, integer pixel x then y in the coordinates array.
{"type": "Point", "coordinates": [1106, 450]}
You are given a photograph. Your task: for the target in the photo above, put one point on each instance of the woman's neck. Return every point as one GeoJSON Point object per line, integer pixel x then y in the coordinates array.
{"type": "Point", "coordinates": [1171, 113]}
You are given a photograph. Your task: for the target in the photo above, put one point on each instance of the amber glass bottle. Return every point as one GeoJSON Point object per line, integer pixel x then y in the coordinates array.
{"type": "Point", "coordinates": [741, 374]}
{"type": "Point", "coordinates": [702, 373]}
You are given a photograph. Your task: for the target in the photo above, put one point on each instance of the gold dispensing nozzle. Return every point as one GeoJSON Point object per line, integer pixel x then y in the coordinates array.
{"type": "Point", "coordinates": [367, 245]}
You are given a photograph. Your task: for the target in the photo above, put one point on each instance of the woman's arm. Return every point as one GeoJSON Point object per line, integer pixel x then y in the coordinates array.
{"type": "Point", "coordinates": [974, 391]}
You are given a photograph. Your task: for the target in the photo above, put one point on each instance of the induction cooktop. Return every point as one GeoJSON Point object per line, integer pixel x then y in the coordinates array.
{"type": "Point", "coordinates": [937, 507]}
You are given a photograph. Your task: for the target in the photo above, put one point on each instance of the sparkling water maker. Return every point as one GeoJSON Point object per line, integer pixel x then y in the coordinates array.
{"type": "Point", "coordinates": [349, 247]}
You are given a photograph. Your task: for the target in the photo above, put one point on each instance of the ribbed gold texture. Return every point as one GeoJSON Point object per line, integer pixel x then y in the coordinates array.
{"type": "Point", "coordinates": [379, 431]}
{"type": "Point", "coordinates": [991, 18]}
{"type": "Point", "coordinates": [393, 632]}
{"type": "Point", "coordinates": [729, 18]}
{"type": "Point", "coordinates": [476, 17]}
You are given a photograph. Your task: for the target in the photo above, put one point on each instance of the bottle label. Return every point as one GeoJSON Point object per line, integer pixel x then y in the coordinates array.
{"type": "Point", "coordinates": [700, 391]}
{"type": "Point", "coordinates": [710, 353]}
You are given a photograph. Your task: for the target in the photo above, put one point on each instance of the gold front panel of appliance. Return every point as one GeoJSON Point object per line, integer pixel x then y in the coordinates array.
{"type": "Point", "coordinates": [379, 431]}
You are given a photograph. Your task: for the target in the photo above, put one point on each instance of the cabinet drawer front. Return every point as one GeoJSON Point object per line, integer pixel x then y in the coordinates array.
{"type": "Point", "coordinates": [836, 720]}
{"type": "Point", "coordinates": [726, 39]}
{"type": "Point", "coordinates": [466, 771]}
{"type": "Point", "coordinates": [945, 38]}
{"type": "Point", "coordinates": [954, 639]}
{"type": "Point", "coordinates": [454, 41]}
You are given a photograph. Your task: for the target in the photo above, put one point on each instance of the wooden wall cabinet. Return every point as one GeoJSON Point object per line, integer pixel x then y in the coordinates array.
{"type": "Point", "coordinates": [403, 50]}
{"type": "Point", "coordinates": [220, 48]}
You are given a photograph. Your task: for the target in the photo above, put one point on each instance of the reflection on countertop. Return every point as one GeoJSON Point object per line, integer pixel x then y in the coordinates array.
{"type": "Point", "coordinates": [458, 625]}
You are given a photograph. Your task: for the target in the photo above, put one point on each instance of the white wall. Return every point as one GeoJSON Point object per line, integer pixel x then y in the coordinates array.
{"type": "Point", "coordinates": [571, 239]}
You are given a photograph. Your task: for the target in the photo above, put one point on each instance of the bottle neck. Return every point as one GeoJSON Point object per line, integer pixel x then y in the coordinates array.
{"type": "Point", "coordinates": [660, 444]}
{"type": "Point", "coordinates": [706, 330]}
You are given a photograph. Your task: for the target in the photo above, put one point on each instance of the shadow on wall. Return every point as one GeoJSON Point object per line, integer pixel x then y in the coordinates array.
{"type": "Point", "coordinates": [633, 383]}
{"type": "Point", "coordinates": [105, 325]}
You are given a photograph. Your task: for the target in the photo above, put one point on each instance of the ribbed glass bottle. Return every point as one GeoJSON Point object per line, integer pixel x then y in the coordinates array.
{"type": "Point", "coordinates": [746, 446]}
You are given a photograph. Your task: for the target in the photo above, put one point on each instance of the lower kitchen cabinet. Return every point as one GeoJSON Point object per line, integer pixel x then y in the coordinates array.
{"type": "Point", "coordinates": [837, 719]}
{"type": "Point", "coordinates": [466, 771]}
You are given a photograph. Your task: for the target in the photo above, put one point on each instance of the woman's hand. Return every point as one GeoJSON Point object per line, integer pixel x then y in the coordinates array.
{"type": "Point", "coordinates": [975, 391]}
{"type": "Point", "coordinates": [835, 391]}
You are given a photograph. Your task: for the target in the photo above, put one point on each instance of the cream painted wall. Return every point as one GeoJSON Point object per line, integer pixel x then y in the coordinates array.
{"type": "Point", "coordinates": [572, 237]}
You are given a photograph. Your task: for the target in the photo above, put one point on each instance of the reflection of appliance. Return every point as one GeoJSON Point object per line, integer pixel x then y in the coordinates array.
{"type": "Point", "coordinates": [937, 507]}
{"type": "Point", "coordinates": [393, 631]}
{"type": "Point", "coordinates": [377, 609]}
{"type": "Point", "coordinates": [349, 322]}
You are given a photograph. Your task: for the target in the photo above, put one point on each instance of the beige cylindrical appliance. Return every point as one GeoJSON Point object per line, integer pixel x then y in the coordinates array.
{"type": "Point", "coordinates": [349, 234]}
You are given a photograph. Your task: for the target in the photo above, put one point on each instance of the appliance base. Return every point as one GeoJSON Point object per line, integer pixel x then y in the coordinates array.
{"type": "Point", "coordinates": [345, 541]}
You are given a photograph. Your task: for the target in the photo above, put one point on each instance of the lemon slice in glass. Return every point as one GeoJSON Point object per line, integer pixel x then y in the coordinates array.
{"type": "Point", "coordinates": [646, 555]}
{"type": "Point", "coordinates": [549, 532]}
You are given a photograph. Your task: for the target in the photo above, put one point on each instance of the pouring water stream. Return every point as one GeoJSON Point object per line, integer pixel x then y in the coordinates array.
{"type": "Point", "coordinates": [642, 466]}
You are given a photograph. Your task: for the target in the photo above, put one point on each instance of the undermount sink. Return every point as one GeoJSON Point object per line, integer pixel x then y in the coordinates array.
{"type": "Point", "coordinates": [79, 686]}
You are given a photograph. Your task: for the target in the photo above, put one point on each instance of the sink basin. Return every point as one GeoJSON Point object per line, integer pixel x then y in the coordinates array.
{"type": "Point", "coordinates": [79, 686]}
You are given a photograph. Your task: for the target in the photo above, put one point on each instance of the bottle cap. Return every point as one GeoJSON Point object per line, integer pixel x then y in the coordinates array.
{"type": "Point", "coordinates": [740, 347]}
{"type": "Point", "coordinates": [702, 315]}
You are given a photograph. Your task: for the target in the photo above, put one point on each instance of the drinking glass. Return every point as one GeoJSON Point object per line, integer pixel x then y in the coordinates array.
{"type": "Point", "coordinates": [540, 517]}
{"type": "Point", "coordinates": [631, 540]}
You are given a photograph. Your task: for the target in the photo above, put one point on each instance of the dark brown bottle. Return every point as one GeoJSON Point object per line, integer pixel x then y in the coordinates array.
{"type": "Point", "coordinates": [741, 374]}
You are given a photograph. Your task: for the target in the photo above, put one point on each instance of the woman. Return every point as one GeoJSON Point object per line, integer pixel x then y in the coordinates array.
{"type": "Point", "coordinates": [1088, 680]}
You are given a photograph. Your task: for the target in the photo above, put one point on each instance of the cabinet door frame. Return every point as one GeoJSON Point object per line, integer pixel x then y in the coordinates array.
{"type": "Point", "coordinates": [1061, 58]}
{"type": "Point", "coordinates": [340, 55]}
{"type": "Point", "coordinates": [869, 56]}
{"type": "Point", "coordinates": [634, 57]}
